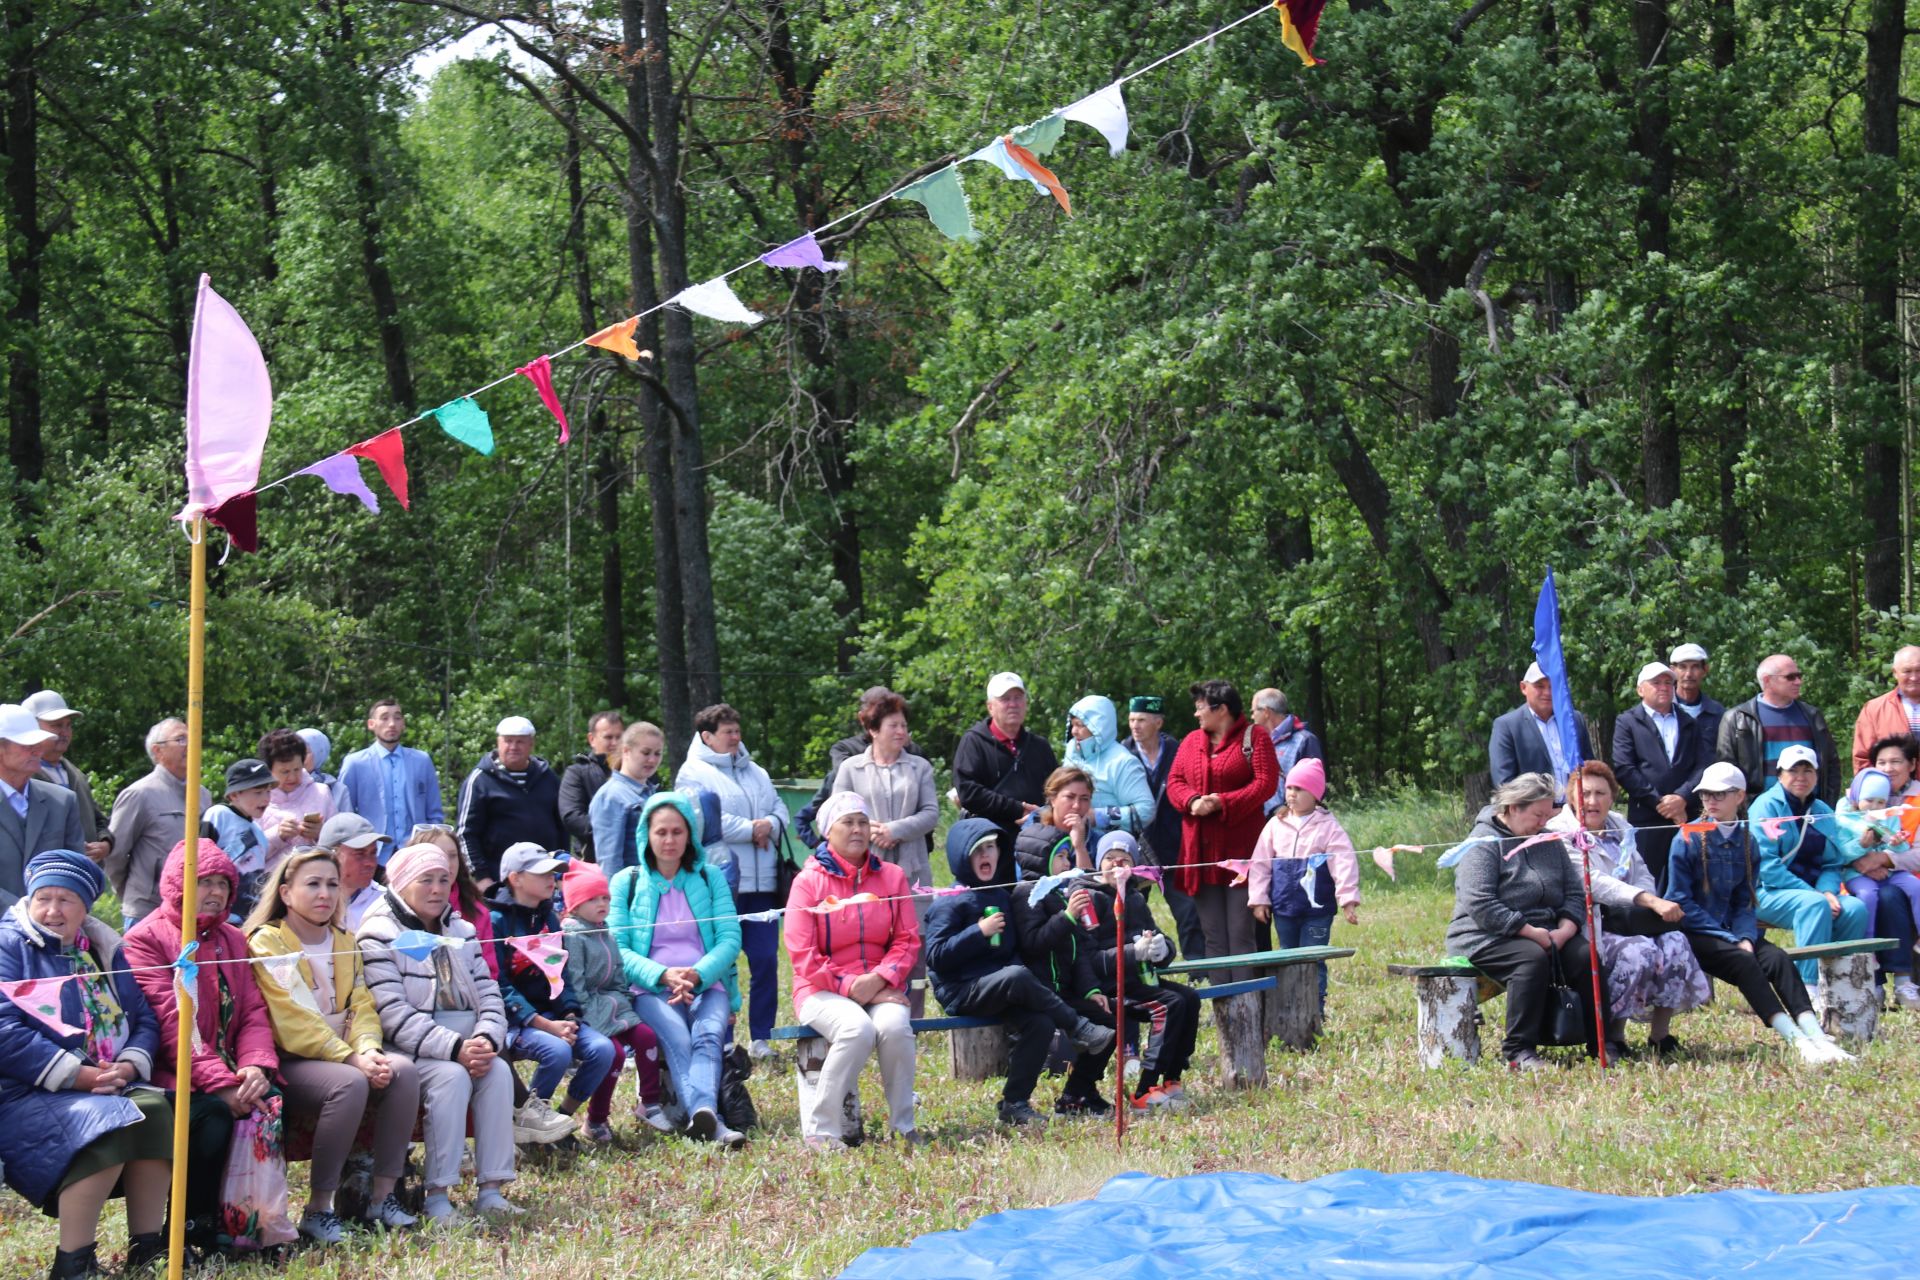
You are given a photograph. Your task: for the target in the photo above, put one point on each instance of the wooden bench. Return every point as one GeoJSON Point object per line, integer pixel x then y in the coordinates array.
{"type": "Point", "coordinates": [1289, 1011]}
{"type": "Point", "coordinates": [1445, 997]}
{"type": "Point", "coordinates": [979, 1046]}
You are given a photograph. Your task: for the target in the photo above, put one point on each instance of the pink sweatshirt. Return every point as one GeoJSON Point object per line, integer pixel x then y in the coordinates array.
{"type": "Point", "coordinates": [1288, 837]}
{"type": "Point", "coordinates": [831, 949]}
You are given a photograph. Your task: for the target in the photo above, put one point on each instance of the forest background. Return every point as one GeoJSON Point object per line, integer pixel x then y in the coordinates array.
{"type": "Point", "coordinates": [1318, 378]}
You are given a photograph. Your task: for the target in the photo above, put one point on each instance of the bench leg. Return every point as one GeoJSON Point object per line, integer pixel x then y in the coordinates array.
{"type": "Point", "coordinates": [1446, 1028]}
{"type": "Point", "coordinates": [979, 1053]}
{"type": "Point", "coordinates": [1846, 1000]}
{"type": "Point", "coordinates": [1293, 1012]}
{"type": "Point", "coordinates": [1241, 1023]}
{"type": "Point", "coordinates": [811, 1057]}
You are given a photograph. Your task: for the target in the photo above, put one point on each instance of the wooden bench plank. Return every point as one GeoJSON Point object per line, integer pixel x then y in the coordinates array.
{"type": "Point", "coordinates": [1817, 951]}
{"type": "Point", "coordinates": [1261, 960]}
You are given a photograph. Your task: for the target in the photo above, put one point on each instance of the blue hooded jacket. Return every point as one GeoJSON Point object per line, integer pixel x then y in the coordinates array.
{"type": "Point", "coordinates": [958, 954]}
{"type": "Point", "coordinates": [1122, 796]}
{"type": "Point", "coordinates": [636, 894]}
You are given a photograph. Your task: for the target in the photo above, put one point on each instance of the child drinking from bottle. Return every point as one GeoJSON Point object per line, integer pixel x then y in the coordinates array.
{"type": "Point", "coordinates": [1169, 1012]}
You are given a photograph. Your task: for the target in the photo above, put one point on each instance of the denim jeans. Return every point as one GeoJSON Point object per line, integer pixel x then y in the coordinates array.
{"type": "Point", "coordinates": [593, 1051]}
{"type": "Point", "coordinates": [690, 1038]}
{"type": "Point", "coordinates": [1304, 931]}
{"type": "Point", "coordinates": [760, 943]}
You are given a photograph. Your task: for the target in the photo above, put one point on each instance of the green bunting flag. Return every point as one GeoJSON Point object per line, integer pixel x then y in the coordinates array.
{"type": "Point", "coordinates": [1042, 137]}
{"type": "Point", "coordinates": [946, 202]}
{"type": "Point", "coordinates": [466, 422]}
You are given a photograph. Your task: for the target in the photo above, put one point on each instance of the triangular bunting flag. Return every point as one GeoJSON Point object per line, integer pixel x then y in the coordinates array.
{"type": "Point", "coordinates": [540, 374]}
{"type": "Point", "coordinates": [803, 252]}
{"type": "Point", "coordinates": [240, 517]}
{"type": "Point", "coordinates": [466, 422]}
{"type": "Point", "coordinates": [1299, 26]}
{"type": "Point", "coordinates": [417, 944]}
{"type": "Point", "coordinates": [618, 338]}
{"type": "Point", "coordinates": [1016, 162]}
{"type": "Point", "coordinates": [1042, 136]}
{"type": "Point", "coordinates": [341, 473]}
{"type": "Point", "coordinates": [285, 970]}
{"type": "Point", "coordinates": [1105, 111]}
{"type": "Point", "coordinates": [546, 952]}
{"type": "Point", "coordinates": [39, 999]}
{"type": "Point", "coordinates": [386, 452]}
{"type": "Point", "coordinates": [945, 200]}
{"type": "Point", "coordinates": [716, 300]}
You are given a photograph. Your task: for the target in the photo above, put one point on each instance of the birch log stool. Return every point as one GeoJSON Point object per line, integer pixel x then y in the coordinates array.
{"type": "Point", "coordinates": [1446, 998]}
{"type": "Point", "coordinates": [1283, 1001]}
{"type": "Point", "coordinates": [1846, 999]}
{"type": "Point", "coordinates": [810, 1057]}
{"type": "Point", "coordinates": [979, 1053]}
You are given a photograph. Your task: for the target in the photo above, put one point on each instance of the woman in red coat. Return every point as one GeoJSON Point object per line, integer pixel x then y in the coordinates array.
{"type": "Point", "coordinates": [1221, 779]}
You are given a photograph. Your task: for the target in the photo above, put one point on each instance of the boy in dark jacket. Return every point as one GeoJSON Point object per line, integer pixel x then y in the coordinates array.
{"type": "Point", "coordinates": [1169, 1012]}
{"type": "Point", "coordinates": [1060, 952]}
{"type": "Point", "coordinates": [973, 961]}
{"type": "Point", "coordinates": [540, 1025]}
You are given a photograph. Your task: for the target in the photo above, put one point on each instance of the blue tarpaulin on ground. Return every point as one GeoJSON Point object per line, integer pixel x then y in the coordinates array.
{"type": "Point", "coordinates": [1419, 1226]}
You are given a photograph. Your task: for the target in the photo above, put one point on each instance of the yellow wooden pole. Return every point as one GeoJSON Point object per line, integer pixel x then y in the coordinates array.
{"type": "Point", "coordinates": [189, 904]}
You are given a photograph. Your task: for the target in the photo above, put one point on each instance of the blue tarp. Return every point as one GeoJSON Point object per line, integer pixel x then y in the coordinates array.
{"type": "Point", "coordinates": [1419, 1226]}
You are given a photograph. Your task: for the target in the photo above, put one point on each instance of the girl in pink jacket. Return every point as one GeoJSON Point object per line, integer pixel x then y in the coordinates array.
{"type": "Point", "coordinates": [1304, 866]}
{"type": "Point", "coordinates": [851, 966]}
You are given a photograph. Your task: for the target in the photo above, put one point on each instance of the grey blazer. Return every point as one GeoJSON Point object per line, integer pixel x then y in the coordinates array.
{"type": "Point", "coordinates": [52, 822]}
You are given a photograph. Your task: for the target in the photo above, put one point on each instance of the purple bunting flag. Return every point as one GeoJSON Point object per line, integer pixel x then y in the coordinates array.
{"type": "Point", "coordinates": [803, 252]}
{"type": "Point", "coordinates": [341, 473]}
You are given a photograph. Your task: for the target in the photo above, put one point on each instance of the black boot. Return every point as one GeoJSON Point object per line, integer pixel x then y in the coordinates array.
{"type": "Point", "coordinates": [80, 1264]}
{"type": "Point", "coordinates": [147, 1247]}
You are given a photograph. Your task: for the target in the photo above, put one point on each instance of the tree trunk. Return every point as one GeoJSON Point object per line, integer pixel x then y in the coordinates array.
{"type": "Point", "coordinates": [1659, 425]}
{"type": "Point", "coordinates": [386, 303]}
{"type": "Point", "coordinates": [1879, 275]}
{"type": "Point", "coordinates": [1241, 1023]}
{"type": "Point", "coordinates": [26, 247]}
{"type": "Point", "coordinates": [978, 1053]}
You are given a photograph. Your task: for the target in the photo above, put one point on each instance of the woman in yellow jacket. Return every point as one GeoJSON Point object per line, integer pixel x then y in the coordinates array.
{"type": "Point", "coordinates": [332, 1066]}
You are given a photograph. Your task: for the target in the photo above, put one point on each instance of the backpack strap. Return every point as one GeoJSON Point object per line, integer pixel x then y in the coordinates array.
{"type": "Point", "coordinates": [1246, 744]}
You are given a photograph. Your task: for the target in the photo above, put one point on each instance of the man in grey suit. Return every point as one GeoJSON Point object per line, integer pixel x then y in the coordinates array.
{"type": "Point", "coordinates": [34, 816]}
{"type": "Point", "coordinates": [149, 818]}
{"type": "Point", "coordinates": [57, 718]}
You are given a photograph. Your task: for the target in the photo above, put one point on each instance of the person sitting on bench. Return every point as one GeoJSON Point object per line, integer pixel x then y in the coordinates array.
{"type": "Point", "coordinates": [973, 960]}
{"type": "Point", "coordinates": [1169, 1012]}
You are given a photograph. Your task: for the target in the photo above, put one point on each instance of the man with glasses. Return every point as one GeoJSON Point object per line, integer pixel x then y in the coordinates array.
{"type": "Point", "coordinates": [149, 818]}
{"type": "Point", "coordinates": [1754, 734]}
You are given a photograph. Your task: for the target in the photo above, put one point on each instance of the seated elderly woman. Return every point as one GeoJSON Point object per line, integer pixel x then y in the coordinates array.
{"type": "Point", "coordinates": [673, 919]}
{"type": "Point", "coordinates": [1651, 973]}
{"type": "Point", "coordinates": [851, 963]}
{"type": "Point", "coordinates": [76, 1125]}
{"type": "Point", "coordinates": [333, 1063]}
{"type": "Point", "coordinates": [233, 1058]}
{"type": "Point", "coordinates": [443, 1010]}
{"type": "Point", "coordinates": [1517, 913]}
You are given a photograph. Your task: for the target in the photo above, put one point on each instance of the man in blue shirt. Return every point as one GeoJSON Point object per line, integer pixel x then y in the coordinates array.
{"type": "Point", "coordinates": [393, 787]}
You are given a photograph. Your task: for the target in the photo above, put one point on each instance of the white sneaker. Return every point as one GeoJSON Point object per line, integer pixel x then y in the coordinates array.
{"type": "Point", "coordinates": [759, 1049]}
{"type": "Point", "coordinates": [538, 1122]}
{"type": "Point", "coordinates": [388, 1213]}
{"type": "Point", "coordinates": [1906, 995]}
{"type": "Point", "coordinates": [1813, 1052]}
{"type": "Point", "coordinates": [491, 1201]}
{"type": "Point", "coordinates": [438, 1208]}
{"type": "Point", "coordinates": [655, 1117]}
{"type": "Point", "coordinates": [1834, 1052]}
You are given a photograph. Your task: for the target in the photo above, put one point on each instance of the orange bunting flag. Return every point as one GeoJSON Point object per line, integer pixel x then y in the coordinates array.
{"type": "Point", "coordinates": [1701, 827]}
{"type": "Point", "coordinates": [1299, 25]}
{"type": "Point", "coordinates": [618, 338]}
{"type": "Point", "coordinates": [1038, 172]}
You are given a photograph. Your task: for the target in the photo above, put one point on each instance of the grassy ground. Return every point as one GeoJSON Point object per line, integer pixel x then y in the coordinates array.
{"type": "Point", "coordinates": [1735, 1114]}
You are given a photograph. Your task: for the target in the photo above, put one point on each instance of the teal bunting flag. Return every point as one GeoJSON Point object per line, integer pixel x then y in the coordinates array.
{"type": "Point", "coordinates": [466, 422]}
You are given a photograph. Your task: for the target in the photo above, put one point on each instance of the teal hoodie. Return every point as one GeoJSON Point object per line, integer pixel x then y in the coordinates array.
{"type": "Point", "coordinates": [636, 899]}
{"type": "Point", "coordinates": [1122, 796]}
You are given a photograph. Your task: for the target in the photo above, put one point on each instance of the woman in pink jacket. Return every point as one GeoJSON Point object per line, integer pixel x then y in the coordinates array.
{"type": "Point", "coordinates": [233, 1056]}
{"type": "Point", "coordinates": [1303, 865]}
{"type": "Point", "coordinates": [851, 966]}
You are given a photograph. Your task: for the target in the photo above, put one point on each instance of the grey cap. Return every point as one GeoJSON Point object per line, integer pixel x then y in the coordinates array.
{"type": "Point", "coordinates": [528, 856]}
{"type": "Point", "coordinates": [48, 705]}
{"type": "Point", "coordinates": [349, 829]}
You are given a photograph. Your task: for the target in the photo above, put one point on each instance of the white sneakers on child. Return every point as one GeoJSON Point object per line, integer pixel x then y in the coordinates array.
{"type": "Point", "coordinates": [538, 1122]}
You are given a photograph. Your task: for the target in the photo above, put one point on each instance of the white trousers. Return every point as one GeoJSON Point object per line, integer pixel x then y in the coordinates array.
{"type": "Point", "coordinates": [447, 1095]}
{"type": "Point", "coordinates": [854, 1033]}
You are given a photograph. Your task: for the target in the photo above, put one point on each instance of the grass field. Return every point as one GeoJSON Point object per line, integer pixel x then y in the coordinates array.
{"type": "Point", "coordinates": [1735, 1113]}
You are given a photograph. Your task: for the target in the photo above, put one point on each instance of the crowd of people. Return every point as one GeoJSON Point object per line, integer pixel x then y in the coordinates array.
{"type": "Point", "coordinates": [369, 974]}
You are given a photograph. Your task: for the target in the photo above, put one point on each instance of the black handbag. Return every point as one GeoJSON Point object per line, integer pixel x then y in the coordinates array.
{"type": "Point", "coordinates": [1566, 1020]}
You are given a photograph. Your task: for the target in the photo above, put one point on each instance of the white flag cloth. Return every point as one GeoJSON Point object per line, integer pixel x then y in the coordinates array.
{"type": "Point", "coordinates": [1105, 111]}
{"type": "Point", "coordinates": [716, 301]}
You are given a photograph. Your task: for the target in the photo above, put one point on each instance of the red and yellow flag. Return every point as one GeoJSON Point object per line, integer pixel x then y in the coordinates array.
{"type": "Point", "coordinates": [1299, 24]}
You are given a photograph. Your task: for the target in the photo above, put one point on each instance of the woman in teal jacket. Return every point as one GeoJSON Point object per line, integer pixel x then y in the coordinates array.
{"type": "Point", "coordinates": [1122, 796]}
{"type": "Point", "coordinates": [673, 919]}
{"type": "Point", "coordinates": [1801, 869]}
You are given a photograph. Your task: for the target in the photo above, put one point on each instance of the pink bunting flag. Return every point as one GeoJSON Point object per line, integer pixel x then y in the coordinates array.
{"type": "Point", "coordinates": [830, 905]}
{"type": "Point", "coordinates": [1383, 859]}
{"type": "Point", "coordinates": [1239, 866]}
{"type": "Point", "coordinates": [546, 952]}
{"type": "Point", "coordinates": [933, 891]}
{"type": "Point", "coordinates": [1529, 842]}
{"type": "Point", "coordinates": [39, 999]}
{"type": "Point", "coordinates": [1774, 826]}
{"type": "Point", "coordinates": [1155, 874]}
{"type": "Point", "coordinates": [540, 374]}
{"type": "Point", "coordinates": [229, 405]}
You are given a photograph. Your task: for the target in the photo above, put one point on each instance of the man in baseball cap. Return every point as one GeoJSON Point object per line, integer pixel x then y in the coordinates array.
{"type": "Point", "coordinates": [1658, 757]}
{"type": "Point", "coordinates": [1527, 738]}
{"type": "Point", "coordinates": [57, 718]}
{"type": "Point", "coordinates": [1689, 663]}
{"type": "Point", "coordinates": [35, 815]}
{"type": "Point", "coordinates": [356, 844]}
{"type": "Point", "coordinates": [511, 796]}
{"type": "Point", "coordinates": [1000, 766]}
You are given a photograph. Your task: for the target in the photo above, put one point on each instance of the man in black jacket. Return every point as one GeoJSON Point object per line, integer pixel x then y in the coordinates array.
{"type": "Point", "coordinates": [586, 775]}
{"type": "Point", "coordinates": [510, 796]}
{"type": "Point", "coordinates": [999, 768]}
{"type": "Point", "coordinates": [1658, 757]}
{"type": "Point", "coordinates": [838, 754]}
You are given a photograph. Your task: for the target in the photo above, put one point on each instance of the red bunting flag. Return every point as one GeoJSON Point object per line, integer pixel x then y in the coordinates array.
{"type": "Point", "coordinates": [1038, 172]}
{"type": "Point", "coordinates": [386, 452]}
{"type": "Point", "coordinates": [240, 517]}
{"type": "Point", "coordinates": [1299, 25]}
{"type": "Point", "coordinates": [540, 374]}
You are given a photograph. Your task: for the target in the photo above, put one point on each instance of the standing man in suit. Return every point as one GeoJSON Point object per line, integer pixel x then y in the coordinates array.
{"type": "Point", "coordinates": [35, 816]}
{"type": "Point", "coordinates": [1658, 757]}
{"type": "Point", "coordinates": [1689, 663]}
{"type": "Point", "coordinates": [1525, 740]}
{"type": "Point", "coordinates": [57, 718]}
{"type": "Point", "coordinates": [395, 788]}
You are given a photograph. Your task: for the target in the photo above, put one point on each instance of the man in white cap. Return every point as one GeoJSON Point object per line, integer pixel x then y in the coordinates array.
{"type": "Point", "coordinates": [1527, 738]}
{"type": "Point", "coordinates": [149, 818]}
{"type": "Point", "coordinates": [57, 718]}
{"type": "Point", "coordinates": [999, 766]}
{"type": "Point", "coordinates": [1754, 734]}
{"type": "Point", "coordinates": [34, 815]}
{"type": "Point", "coordinates": [1689, 663]}
{"type": "Point", "coordinates": [511, 796]}
{"type": "Point", "coordinates": [357, 845]}
{"type": "Point", "coordinates": [1657, 757]}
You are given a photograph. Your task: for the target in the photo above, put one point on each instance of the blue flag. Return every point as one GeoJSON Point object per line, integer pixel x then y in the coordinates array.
{"type": "Point", "coordinates": [1546, 650]}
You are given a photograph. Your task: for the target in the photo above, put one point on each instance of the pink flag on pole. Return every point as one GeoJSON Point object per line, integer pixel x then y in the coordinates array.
{"type": "Point", "coordinates": [39, 999]}
{"type": "Point", "coordinates": [546, 952]}
{"type": "Point", "coordinates": [229, 405]}
{"type": "Point", "coordinates": [540, 374]}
